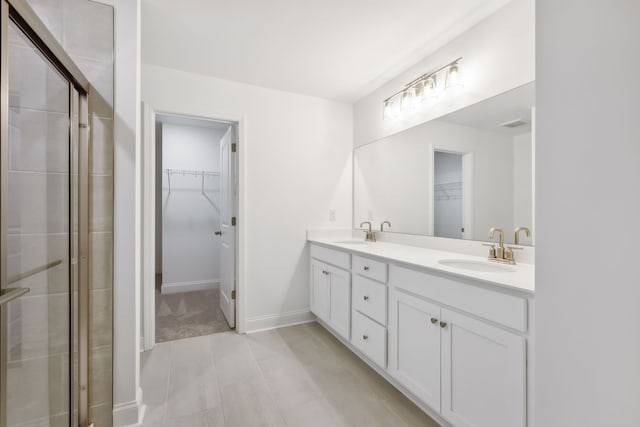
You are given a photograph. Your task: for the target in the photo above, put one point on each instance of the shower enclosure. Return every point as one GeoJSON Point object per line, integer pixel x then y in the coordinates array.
{"type": "Point", "coordinates": [43, 227]}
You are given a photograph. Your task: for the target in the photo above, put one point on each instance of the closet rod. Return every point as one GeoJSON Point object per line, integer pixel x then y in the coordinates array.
{"type": "Point", "coordinates": [185, 172]}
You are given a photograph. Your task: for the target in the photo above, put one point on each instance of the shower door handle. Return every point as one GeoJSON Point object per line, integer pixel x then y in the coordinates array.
{"type": "Point", "coordinates": [8, 295]}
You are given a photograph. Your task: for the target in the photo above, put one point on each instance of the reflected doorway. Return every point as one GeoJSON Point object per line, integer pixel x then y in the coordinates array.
{"type": "Point", "coordinates": [451, 194]}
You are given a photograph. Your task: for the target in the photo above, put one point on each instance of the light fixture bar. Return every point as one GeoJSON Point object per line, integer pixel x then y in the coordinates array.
{"type": "Point", "coordinates": [422, 77]}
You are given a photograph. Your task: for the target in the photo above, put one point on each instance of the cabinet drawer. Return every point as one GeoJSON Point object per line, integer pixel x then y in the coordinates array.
{"type": "Point", "coordinates": [370, 268]}
{"type": "Point", "coordinates": [370, 338]}
{"type": "Point", "coordinates": [370, 298]}
{"type": "Point", "coordinates": [331, 256]}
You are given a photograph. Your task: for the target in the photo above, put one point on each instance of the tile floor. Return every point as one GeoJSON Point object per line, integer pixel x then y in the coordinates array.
{"type": "Point", "coordinates": [295, 376]}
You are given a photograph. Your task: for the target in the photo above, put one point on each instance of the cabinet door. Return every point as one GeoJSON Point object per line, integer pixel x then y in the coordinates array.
{"type": "Point", "coordinates": [414, 345]}
{"type": "Point", "coordinates": [340, 301]}
{"type": "Point", "coordinates": [319, 291]}
{"type": "Point", "coordinates": [483, 374]}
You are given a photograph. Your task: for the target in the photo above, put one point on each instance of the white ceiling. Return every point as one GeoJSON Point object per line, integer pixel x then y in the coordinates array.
{"type": "Point", "coordinates": [492, 113]}
{"type": "Point", "coordinates": [335, 49]}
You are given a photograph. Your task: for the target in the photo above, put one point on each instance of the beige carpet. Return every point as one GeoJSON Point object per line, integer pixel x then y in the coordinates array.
{"type": "Point", "coordinates": [188, 314]}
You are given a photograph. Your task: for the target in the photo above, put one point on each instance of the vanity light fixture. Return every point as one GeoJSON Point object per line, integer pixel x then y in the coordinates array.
{"type": "Point", "coordinates": [453, 77]}
{"type": "Point", "coordinates": [423, 89]}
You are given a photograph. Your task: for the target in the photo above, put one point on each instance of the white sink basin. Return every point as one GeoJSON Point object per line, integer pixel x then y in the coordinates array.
{"type": "Point", "coordinates": [480, 266]}
{"type": "Point", "coordinates": [353, 242]}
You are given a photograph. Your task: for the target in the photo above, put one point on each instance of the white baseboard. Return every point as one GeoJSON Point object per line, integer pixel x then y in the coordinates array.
{"type": "Point", "coordinates": [129, 414]}
{"type": "Point", "coordinates": [177, 287]}
{"type": "Point", "coordinates": [263, 323]}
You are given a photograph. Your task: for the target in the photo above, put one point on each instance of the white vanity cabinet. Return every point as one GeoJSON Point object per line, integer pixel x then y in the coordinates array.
{"type": "Point", "coordinates": [330, 288]}
{"type": "Point", "coordinates": [471, 371]}
{"type": "Point", "coordinates": [456, 345]}
{"type": "Point", "coordinates": [483, 370]}
{"type": "Point", "coordinates": [414, 345]}
{"type": "Point", "coordinates": [369, 315]}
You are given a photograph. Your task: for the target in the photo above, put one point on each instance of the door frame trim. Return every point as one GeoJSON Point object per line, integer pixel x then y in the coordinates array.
{"type": "Point", "coordinates": [145, 196]}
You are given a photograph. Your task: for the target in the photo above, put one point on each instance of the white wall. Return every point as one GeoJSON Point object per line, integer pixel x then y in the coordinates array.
{"type": "Point", "coordinates": [297, 152]}
{"type": "Point", "coordinates": [393, 177]}
{"type": "Point", "coordinates": [587, 211]}
{"type": "Point", "coordinates": [127, 394]}
{"type": "Point", "coordinates": [522, 184]}
{"type": "Point", "coordinates": [190, 250]}
{"type": "Point", "coordinates": [498, 55]}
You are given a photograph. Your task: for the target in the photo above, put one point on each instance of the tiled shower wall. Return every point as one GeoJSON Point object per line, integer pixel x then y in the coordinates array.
{"type": "Point", "coordinates": [85, 30]}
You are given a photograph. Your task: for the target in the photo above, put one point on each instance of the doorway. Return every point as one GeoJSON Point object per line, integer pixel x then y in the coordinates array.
{"type": "Point", "coordinates": [452, 194]}
{"type": "Point", "coordinates": [194, 263]}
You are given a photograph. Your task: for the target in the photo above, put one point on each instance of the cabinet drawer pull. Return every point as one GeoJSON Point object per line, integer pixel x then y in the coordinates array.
{"type": "Point", "coordinates": [365, 337]}
{"type": "Point", "coordinates": [366, 297]}
{"type": "Point", "coordinates": [434, 320]}
{"type": "Point", "coordinates": [443, 324]}
{"type": "Point", "coordinates": [366, 268]}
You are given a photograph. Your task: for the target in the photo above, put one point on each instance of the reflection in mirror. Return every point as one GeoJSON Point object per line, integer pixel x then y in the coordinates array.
{"type": "Point", "coordinates": [456, 176]}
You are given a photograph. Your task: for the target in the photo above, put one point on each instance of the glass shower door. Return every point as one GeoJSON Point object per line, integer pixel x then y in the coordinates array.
{"type": "Point", "coordinates": [38, 233]}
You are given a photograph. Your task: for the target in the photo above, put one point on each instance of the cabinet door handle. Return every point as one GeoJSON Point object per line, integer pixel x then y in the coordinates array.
{"type": "Point", "coordinates": [366, 297]}
{"type": "Point", "coordinates": [325, 272]}
{"type": "Point", "coordinates": [434, 320]}
{"type": "Point", "coordinates": [443, 324]}
{"type": "Point", "coordinates": [366, 268]}
{"type": "Point", "coordinates": [365, 337]}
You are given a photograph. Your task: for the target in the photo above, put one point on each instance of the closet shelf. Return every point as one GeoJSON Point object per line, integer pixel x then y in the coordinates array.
{"type": "Point", "coordinates": [186, 172]}
{"type": "Point", "coordinates": [448, 191]}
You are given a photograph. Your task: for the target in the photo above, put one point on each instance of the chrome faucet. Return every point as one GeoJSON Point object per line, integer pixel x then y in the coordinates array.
{"type": "Point", "coordinates": [516, 237]}
{"type": "Point", "coordinates": [370, 235]}
{"type": "Point", "coordinates": [500, 254]}
{"type": "Point", "coordinates": [383, 223]}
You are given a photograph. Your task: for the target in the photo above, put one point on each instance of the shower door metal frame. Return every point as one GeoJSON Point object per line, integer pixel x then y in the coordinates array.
{"type": "Point", "coordinates": [21, 14]}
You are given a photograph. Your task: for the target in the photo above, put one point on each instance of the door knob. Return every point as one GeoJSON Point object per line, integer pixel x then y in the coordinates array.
{"type": "Point", "coordinates": [365, 337]}
{"type": "Point", "coordinates": [443, 324]}
{"type": "Point", "coordinates": [218, 233]}
{"type": "Point", "coordinates": [366, 268]}
{"type": "Point", "coordinates": [434, 320]}
{"type": "Point", "coordinates": [366, 297]}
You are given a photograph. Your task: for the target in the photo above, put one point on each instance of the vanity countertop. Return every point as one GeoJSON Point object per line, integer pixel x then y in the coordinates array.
{"type": "Point", "coordinates": [519, 277]}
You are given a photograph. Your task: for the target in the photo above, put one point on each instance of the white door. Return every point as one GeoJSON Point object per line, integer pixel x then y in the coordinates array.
{"type": "Point", "coordinates": [228, 237]}
{"type": "Point", "coordinates": [319, 290]}
{"type": "Point", "coordinates": [483, 374]}
{"type": "Point", "coordinates": [340, 300]}
{"type": "Point", "coordinates": [414, 346]}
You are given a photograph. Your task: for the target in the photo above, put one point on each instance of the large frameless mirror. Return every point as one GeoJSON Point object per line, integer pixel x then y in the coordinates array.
{"type": "Point", "coordinates": [456, 176]}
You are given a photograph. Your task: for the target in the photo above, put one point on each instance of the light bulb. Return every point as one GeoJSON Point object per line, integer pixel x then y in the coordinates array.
{"type": "Point", "coordinates": [419, 91]}
{"type": "Point", "coordinates": [430, 92]}
{"type": "Point", "coordinates": [409, 100]}
{"type": "Point", "coordinates": [454, 80]}
{"type": "Point", "coordinates": [406, 99]}
{"type": "Point", "coordinates": [390, 110]}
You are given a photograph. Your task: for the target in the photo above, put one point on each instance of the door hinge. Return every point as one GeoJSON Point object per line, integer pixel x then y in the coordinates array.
{"type": "Point", "coordinates": [233, 221]}
{"type": "Point", "coordinates": [234, 147]}
{"type": "Point", "coordinates": [233, 294]}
